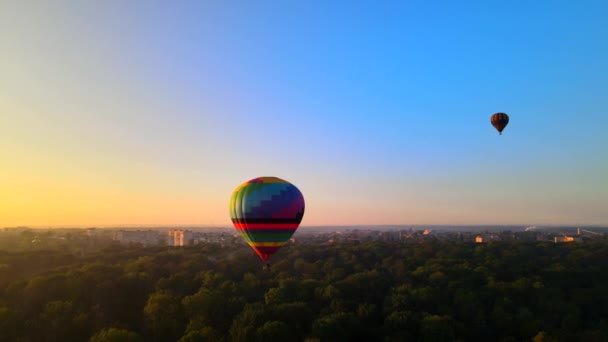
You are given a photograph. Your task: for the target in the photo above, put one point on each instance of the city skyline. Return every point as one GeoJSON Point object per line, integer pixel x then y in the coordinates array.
{"type": "Point", "coordinates": [131, 114]}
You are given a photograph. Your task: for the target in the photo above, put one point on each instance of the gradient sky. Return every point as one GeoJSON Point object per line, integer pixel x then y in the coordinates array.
{"type": "Point", "coordinates": [150, 112]}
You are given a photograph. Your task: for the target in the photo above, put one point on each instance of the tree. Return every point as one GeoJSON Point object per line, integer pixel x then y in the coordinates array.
{"type": "Point", "coordinates": [340, 326]}
{"type": "Point", "coordinates": [57, 319]}
{"type": "Point", "coordinates": [218, 307]}
{"type": "Point", "coordinates": [202, 334]}
{"type": "Point", "coordinates": [273, 331]}
{"type": "Point", "coordinates": [401, 325]}
{"type": "Point", "coordinates": [9, 324]}
{"type": "Point", "coordinates": [163, 314]}
{"type": "Point", "coordinates": [198, 330]}
{"type": "Point", "coordinates": [436, 328]}
{"type": "Point", "coordinates": [115, 335]}
{"type": "Point", "coordinates": [246, 323]}
{"type": "Point", "coordinates": [297, 316]}
{"type": "Point", "coordinates": [540, 337]}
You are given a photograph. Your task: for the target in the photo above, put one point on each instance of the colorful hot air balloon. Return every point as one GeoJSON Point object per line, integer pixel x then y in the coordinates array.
{"type": "Point", "coordinates": [266, 211]}
{"type": "Point", "coordinates": [499, 121]}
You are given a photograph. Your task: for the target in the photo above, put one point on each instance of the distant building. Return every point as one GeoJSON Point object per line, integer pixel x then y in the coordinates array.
{"type": "Point", "coordinates": [179, 237]}
{"type": "Point", "coordinates": [390, 236]}
{"type": "Point", "coordinates": [486, 238]}
{"type": "Point", "coordinates": [587, 233]}
{"type": "Point", "coordinates": [144, 237]}
{"type": "Point", "coordinates": [405, 235]}
{"type": "Point", "coordinates": [566, 238]}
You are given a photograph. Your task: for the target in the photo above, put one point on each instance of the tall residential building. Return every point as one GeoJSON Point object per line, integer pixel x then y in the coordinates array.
{"type": "Point", "coordinates": [179, 237]}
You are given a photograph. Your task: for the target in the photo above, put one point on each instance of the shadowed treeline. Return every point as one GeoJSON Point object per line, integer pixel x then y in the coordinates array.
{"type": "Point", "coordinates": [374, 291]}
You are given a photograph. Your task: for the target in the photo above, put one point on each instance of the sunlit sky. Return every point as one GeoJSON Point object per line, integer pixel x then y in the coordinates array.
{"type": "Point", "coordinates": [149, 112]}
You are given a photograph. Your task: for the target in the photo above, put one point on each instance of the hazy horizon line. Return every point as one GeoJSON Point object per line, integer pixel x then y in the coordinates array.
{"type": "Point", "coordinates": [76, 226]}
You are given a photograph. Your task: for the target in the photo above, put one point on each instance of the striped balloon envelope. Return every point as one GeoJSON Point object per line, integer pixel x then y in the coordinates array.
{"type": "Point", "coordinates": [266, 211]}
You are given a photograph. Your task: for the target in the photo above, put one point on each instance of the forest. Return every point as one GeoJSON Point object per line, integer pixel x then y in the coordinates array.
{"type": "Point", "coordinates": [369, 291]}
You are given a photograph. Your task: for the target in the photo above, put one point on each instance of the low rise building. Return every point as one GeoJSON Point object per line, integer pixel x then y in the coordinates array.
{"type": "Point", "coordinates": [144, 237]}
{"type": "Point", "coordinates": [566, 238]}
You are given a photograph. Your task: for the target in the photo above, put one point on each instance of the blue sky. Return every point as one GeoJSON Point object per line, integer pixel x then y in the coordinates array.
{"type": "Point", "coordinates": [378, 112]}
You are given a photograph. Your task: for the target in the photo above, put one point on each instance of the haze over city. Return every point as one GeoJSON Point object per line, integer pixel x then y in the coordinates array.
{"type": "Point", "coordinates": [115, 113]}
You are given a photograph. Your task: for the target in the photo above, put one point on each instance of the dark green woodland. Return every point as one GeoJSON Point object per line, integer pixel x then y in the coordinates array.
{"type": "Point", "coordinates": [370, 291]}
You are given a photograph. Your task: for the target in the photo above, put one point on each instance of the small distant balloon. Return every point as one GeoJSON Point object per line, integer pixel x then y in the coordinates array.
{"type": "Point", "coordinates": [499, 121]}
{"type": "Point", "coordinates": [266, 211]}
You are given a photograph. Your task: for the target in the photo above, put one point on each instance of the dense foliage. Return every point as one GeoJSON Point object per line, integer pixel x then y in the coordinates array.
{"type": "Point", "coordinates": [374, 291]}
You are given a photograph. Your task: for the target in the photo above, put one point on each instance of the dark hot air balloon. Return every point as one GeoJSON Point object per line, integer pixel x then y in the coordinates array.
{"type": "Point", "coordinates": [266, 211]}
{"type": "Point", "coordinates": [499, 121]}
